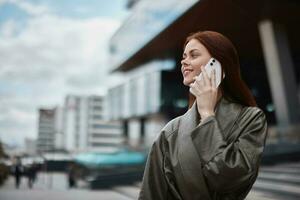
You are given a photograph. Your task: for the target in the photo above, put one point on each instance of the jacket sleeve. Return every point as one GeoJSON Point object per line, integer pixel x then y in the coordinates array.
{"type": "Point", "coordinates": [157, 181]}
{"type": "Point", "coordinates": [231, 166]}
{"type": "Point", "coordinates": [154, 184]}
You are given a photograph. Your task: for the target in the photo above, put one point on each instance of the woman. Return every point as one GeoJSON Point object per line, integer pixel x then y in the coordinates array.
{"type": "Point", "coordinates": [213, 151]}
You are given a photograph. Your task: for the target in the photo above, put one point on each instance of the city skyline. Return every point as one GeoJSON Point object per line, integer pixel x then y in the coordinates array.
{"type": "Point", "coordinates": [50, 49]}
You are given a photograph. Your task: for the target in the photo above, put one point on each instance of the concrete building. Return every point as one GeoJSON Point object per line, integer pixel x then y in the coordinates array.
{"type": "Point", "coordinates": [46, 132]}
{"type": "Point", "coordinates": [263, 32]}
{"type": "Point", "coordinates": [85, 127]}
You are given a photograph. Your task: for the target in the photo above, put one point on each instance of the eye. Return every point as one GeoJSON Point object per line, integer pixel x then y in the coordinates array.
{"type": "Point", "coordinates": [194, 55]}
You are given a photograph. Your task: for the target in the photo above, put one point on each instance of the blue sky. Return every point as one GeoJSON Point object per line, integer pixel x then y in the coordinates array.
{"type": "Point", "coordinates": [48, 49]}
{"type": "Point", "coordinates": [75, 9]}
{"type": "Point", "coordinates": [67, 8]}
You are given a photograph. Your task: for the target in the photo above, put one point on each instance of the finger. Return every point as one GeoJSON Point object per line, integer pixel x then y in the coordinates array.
{"type": "Point", "coordinates": [199, 81]}
{"type": "Point", "coordinates": [193, 89]}
{"type": "Point", "coordinates": [192, 84]}
{"type": "Point", "coordinates": [213, 78]}
{"type": "Point", "coordinates": [196, 82]}
{"type": "Point", "coordinates": [205, 76]}
{"type": "Point", "coordinates": [198, 87]}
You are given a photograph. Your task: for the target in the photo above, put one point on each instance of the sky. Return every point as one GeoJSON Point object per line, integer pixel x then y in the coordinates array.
{"type": "Point", "coordinates": [49, 49]}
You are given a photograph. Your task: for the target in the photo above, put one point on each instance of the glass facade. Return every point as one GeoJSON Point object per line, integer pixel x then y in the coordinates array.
{"type": "Point", "coordinates": [148, 19]}
{"type": "Point", "coordinates": [174, 95]}
{"type": "Point", "coordinates": [140, 94]}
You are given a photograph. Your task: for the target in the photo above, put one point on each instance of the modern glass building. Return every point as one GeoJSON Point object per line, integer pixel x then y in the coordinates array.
{"type": "Point", "coordinates": [263, 32]}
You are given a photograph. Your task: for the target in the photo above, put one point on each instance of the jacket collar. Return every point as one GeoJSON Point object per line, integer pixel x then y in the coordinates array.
{"type": "Point", "coordinates": [226, 114]}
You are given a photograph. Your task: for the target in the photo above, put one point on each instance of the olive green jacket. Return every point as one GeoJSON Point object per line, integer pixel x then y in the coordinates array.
{"type": "Point", "coordinates": [216, 159]}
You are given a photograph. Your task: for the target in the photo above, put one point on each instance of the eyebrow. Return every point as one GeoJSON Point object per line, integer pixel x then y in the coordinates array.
{"type": "Point", "coordinates": [190, 51]}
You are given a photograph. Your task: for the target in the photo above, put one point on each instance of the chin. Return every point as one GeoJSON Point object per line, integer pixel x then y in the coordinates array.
{"type": "Point", "coordinates": [187, 82]}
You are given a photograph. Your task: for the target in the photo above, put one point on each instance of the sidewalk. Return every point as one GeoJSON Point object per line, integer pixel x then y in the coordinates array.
{"type": "Point", "coordinates": [54, 186]}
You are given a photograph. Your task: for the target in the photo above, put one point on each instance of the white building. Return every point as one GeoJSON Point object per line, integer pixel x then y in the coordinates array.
{"type": "Point", "coordinates": [85, 127]}
{"type": "Point", "coordinates": [58, 128]}
{"type": "Point", "coordinates": [30, 146]}
{"type": "Point", "coordinates": [74, 123]}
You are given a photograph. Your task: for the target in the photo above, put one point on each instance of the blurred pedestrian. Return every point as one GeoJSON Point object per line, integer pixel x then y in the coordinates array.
{"type": "Point", "coordinates": [17, 171]}
{"type": "Point", "coordinates": [31, 174]}
{"type": "Point", "coordinates": [213, 151]}
{"type": "Point", "coordinates": [72, 175]}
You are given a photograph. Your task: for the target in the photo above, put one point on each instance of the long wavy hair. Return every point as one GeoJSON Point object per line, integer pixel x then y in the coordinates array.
{"type": "Point", "coordinates": [233, 87]}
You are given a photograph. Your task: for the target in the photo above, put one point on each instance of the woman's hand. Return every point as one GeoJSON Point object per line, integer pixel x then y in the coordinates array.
{"type": "Point", "coordinates": [206, 93]}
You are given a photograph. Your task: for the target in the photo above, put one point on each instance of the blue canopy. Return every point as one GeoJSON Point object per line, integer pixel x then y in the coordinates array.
{"type": "Point", "coordinates": [110, 159]}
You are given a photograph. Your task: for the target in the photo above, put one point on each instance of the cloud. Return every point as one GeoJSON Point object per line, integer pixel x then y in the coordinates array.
{"type": "Point", "coordinates": [8, 28]}
{"type": "Point", "coordinates": [52, 56]}
{"type": "Point", "coordinates": [31, 9]}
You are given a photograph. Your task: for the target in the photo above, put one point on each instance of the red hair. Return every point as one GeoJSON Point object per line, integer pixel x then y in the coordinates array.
{"type": "Point", "coordinates": [220, 47]}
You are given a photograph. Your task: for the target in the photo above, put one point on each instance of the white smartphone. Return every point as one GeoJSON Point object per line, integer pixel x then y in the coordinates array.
{"type": "Point", "coordinates": [213, 64]}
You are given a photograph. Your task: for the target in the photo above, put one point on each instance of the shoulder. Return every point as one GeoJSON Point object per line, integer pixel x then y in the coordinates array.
{"type": "Point", "coordinates": [252, 111]}
{"type": "Point", "coordinates": [165, 132]}
{"type": "Point", "coordinates": [171, 126]}
{"type": "Point", "coordinates": [251, 114]}
{"type": "Point", "coordinates": [168, 129]}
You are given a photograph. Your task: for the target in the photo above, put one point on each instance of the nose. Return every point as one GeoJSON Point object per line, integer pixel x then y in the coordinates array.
{"type": "Point", "coordinates": [185, 62]}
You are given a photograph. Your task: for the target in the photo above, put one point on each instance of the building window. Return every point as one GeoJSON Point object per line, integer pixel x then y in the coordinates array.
{"type": "Point", "coordinates": [105, 126]}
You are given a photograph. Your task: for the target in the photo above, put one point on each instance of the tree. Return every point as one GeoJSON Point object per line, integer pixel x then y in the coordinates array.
{"type": "Point", "coordinates": [3, 168]}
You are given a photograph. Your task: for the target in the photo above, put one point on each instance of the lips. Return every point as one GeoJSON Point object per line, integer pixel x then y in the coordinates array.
{"type": "Point", "coordinates": [186, 72]}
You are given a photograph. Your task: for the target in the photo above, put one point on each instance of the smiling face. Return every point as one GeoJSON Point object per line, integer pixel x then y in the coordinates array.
{"type": "Point", "coordinates": [195, 54]}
